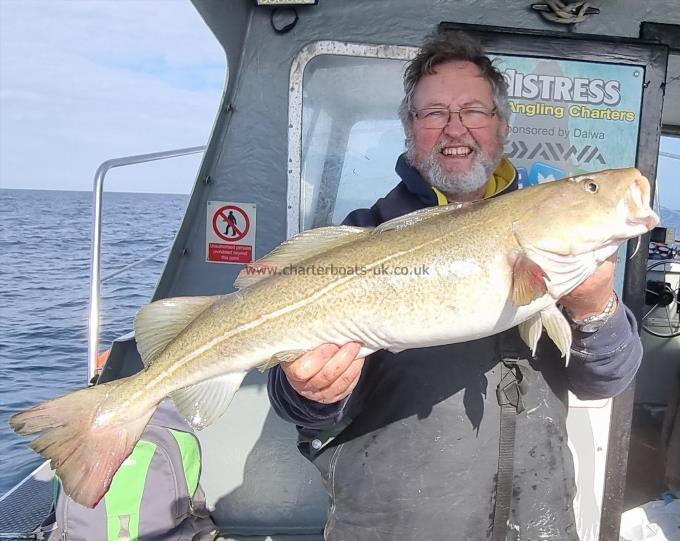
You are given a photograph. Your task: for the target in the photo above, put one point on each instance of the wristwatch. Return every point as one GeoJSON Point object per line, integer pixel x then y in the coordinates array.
{"type": "Point", "coordinates": [595, 322]}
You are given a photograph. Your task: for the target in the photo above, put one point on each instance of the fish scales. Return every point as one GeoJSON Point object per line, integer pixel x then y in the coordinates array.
{"type": "Point", "coordinates": [252, 316]}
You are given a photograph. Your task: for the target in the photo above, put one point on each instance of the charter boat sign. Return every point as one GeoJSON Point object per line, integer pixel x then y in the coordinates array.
{"type": "Point", "coordinates": [230, 232]}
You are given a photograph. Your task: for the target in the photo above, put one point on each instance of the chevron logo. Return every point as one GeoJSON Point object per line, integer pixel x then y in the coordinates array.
{"type": "Point", "coordinates": [554, 152]}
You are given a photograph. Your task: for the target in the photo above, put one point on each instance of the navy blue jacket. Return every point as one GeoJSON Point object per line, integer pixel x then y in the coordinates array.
{"type": "Point", "coordinates": [415, 446]}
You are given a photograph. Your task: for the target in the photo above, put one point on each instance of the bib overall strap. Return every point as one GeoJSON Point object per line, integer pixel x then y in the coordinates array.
{"type": "Point", "coordinates": [509, 394]}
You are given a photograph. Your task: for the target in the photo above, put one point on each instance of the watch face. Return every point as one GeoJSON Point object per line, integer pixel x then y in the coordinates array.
{"type": "Point", "coordinates": [592, 326]}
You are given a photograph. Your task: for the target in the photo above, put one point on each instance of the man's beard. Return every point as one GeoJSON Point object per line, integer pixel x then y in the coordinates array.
{"type": "Point", "coordinates": [468, 182]}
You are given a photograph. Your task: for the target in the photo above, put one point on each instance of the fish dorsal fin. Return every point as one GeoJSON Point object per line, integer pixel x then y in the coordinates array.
{"type": "Point", "coordinates": [297, 249]}
{"type": "Point", "coordinates": [203, 403]}
{"type": "Point", "coordinates": [528, 281]}
{"type": "Point", "coordinates": [412, 218]}
{"type": "Point", "coordinates": [156, 324]}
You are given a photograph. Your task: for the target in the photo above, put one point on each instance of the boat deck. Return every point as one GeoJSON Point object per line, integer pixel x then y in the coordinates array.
{"type": "Point", "coordinates": [26, 508]}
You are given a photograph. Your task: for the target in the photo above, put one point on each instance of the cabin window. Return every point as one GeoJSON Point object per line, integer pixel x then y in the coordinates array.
{"type": "Point", "coordinates": [350, 135]}
{"type": "Point", "coordinates": [667, 200]}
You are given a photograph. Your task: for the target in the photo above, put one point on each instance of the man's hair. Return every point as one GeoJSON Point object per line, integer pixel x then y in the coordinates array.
{"type": "Point", "coordinates": [441, 47]}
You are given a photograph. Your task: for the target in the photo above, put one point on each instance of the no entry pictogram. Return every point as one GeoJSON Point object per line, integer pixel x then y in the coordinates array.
{"type": "Point", "coordinates": [230, 231]}
{"type": "Point", "coordinates": [231, 223]}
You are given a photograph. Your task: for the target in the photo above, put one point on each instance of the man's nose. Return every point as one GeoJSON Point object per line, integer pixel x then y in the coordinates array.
{"type": "Point", "coordinates": [454, 126]}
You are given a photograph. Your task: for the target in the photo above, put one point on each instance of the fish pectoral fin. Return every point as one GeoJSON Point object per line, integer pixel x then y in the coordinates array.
{"type": "Point", "coordinates": [530, 331]}
{"type": "Point", "coordinates": [528, 281]}
{"type": "Point", "coordinates": [412, 218]}
{"type": "Point", "coordinates": [156, 324]}
{"type": "Point", "coordinates": [558, 330]}
{"type": "Point", "coordinates": [282, 357]}
{"type": "Point", "coordinates": [297, 249]}
{"type": "Point", "coordinates": [203, 403]}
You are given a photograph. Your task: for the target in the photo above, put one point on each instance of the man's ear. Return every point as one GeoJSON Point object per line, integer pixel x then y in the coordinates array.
{"type": "Point", "coordinates": [505, 128]}
{"type": "Point", "coordinates": [409, 138]}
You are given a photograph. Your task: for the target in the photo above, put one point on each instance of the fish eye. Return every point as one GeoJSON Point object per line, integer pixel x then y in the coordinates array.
{"type": "Point", "coordinates": [591, 186]}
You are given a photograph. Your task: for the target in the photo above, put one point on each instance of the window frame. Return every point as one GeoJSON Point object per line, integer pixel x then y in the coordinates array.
{"type": "Point", "coordinates": [295, 108]}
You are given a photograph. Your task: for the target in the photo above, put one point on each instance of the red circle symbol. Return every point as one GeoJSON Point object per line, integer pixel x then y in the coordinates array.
{"type": "Point", "coordinates": [230, 223]}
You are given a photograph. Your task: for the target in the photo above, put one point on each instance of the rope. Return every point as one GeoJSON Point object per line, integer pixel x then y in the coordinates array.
{"type": "Point", "coordinates": [565, 13]}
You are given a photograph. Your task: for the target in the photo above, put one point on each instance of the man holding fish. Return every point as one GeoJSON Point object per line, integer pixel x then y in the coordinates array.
{"type": "Point", "coordinates": [413, 443]}
{"type": "Point", "coordinates": [408, 442]}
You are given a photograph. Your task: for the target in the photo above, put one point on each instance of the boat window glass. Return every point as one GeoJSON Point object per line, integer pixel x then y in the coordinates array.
{"type": "Point", "coordinates": [667, 197]}
{"type": "Point", "coordinates": [351, 135]}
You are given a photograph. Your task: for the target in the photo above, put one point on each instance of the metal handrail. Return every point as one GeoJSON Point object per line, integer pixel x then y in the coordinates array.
{"type": "Point", "coordinates": [133, 265]}
{"type": "Point", "coordinates": [95, 268]}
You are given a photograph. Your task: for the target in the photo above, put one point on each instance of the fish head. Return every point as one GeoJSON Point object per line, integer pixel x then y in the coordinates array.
{"type": "Point", "coordinates": [589, 213]}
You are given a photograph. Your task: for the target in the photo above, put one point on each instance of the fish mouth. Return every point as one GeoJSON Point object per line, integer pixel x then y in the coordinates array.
{"type": "Point", "coordinates": [637, 203]}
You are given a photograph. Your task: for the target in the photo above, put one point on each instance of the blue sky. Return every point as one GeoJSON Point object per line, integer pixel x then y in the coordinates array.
{"type": "Point", "coordinates": [83, 81]}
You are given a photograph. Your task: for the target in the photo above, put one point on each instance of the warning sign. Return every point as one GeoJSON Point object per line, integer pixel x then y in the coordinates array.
{"type": "Point", "coordinates": [230, 232]}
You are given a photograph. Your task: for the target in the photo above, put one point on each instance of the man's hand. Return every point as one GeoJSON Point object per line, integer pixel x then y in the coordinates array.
{"type": "Point", "coordinates": [326, 374]}
{"type": "Point", "coordinates": [592, 296]}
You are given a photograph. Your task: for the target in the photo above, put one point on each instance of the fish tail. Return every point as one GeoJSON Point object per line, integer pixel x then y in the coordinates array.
{"type": "Point", "coordinates": [84, 441]}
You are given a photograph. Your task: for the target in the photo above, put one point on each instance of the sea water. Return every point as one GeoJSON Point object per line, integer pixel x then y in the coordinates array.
{"type": "Point", "coordinates": [45, 243]}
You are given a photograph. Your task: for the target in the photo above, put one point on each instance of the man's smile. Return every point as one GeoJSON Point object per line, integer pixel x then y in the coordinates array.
{"type": "Point", "coordinates": [457, 151]}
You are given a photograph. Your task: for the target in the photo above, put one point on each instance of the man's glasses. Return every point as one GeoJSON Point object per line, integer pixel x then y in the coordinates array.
{"type": "Point", "coordinates": [436, 118]}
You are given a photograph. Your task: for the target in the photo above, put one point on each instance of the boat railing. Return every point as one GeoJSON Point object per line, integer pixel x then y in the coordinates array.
{"type": "Point", "coordinates": [95, 265]}
{"type": "Point", "coordinates": [135, 264]}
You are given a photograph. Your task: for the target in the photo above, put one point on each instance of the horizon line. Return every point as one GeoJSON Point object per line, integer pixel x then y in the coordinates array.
{"type": "Point", "coordinates": [90, 191]}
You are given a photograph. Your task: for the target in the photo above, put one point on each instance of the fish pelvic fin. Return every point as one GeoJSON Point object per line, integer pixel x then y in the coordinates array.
{"type": "Point", "coordinates": [203, 403]}
{"type": "Point", "coordinates": [530, 331]}
{"type": "Point", "coordinates": [556, 326]}
{"type": "Point", "coordinates": [158, 323]}
{"type": "Point", "coordinates": [85, 447]}
{"type": "Point", "coordinates": [528, 281]}
{"type": "Point", "coordinates": [558, 329]}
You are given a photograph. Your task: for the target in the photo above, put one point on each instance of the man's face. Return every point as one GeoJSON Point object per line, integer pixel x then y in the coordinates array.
{"type": "Point", "coordinates": [456, 159]}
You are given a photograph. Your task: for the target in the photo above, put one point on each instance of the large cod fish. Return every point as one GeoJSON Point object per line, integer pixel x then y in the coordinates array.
{"type": "Point", "coordinates": [440, 275]}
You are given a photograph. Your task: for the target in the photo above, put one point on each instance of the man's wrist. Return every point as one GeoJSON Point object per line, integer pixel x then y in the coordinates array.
{"type": "Point", "coordinates": [593, 322]}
